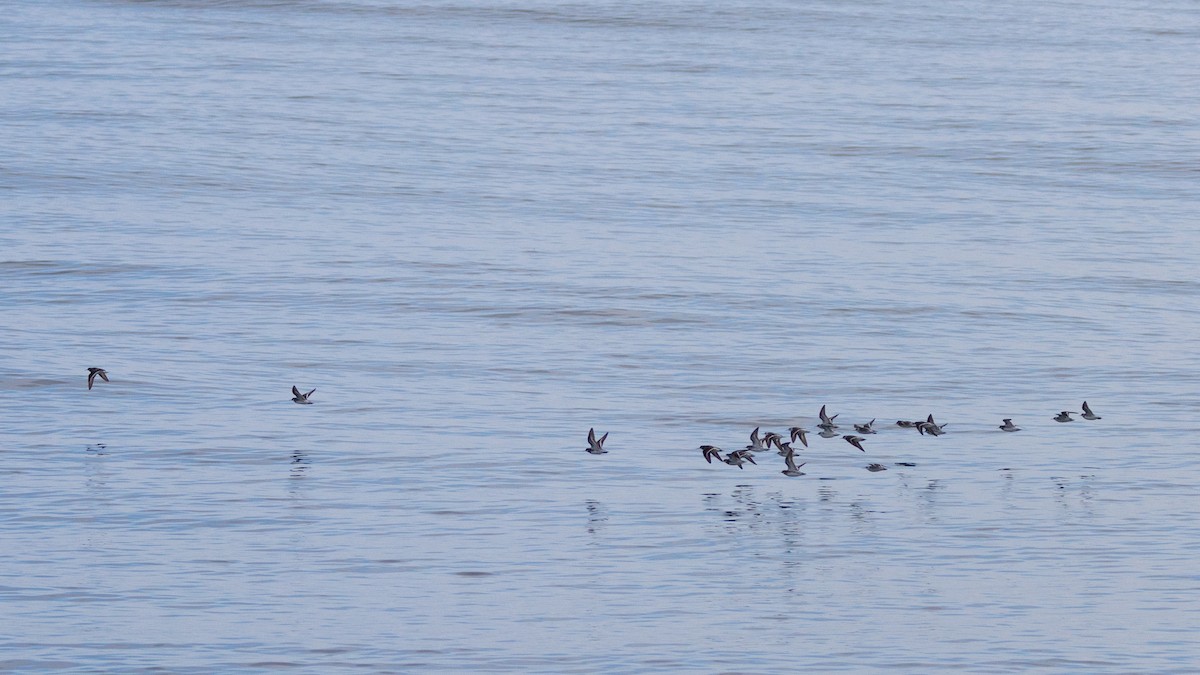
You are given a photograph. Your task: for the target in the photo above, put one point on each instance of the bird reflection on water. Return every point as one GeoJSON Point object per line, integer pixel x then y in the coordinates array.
{"type": "Point", "coordinates": [300, 464]}
{"type": "Point", "coordinates": [597, 516]}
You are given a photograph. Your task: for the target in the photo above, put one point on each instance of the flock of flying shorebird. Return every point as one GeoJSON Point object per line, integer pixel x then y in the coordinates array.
{"type": "Point", "coordinates": [829, 429]}
{"type": "Point", "coordinates": [763, 442]}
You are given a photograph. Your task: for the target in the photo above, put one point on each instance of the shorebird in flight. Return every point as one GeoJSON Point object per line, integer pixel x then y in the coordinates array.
{"type": "Point", "coordinates": [790, 459]}
{"type": "Point", "coordinates": [930, 427]}
{"type": "Point", "coordinates": [771, 438]}
{"type": "Point", "coordinates": [827, 422]}
{"type": "Point", "coordinates": [856, 441]}
{"type": "Point", "coordinates": [595, 447]}
{"type": "Point", "coordinates": [738, 458]}
{"type": "Point", "coordinates": [799, 433]}
{"type": "Point", "coordinates": [1088, 414]}
{"type": "Point", "coordinates": [93, 372]}
{"type": "Point", "coordinates": [1009, 426]}
{"type": "Point", "coordinates": [756, 443]}
{"type": "Point", "coordinates": [865, 428]}
{"type": "Point", "coordinates": [301, 398]}
{"type": "Point", "coordinates": [1064, 416]}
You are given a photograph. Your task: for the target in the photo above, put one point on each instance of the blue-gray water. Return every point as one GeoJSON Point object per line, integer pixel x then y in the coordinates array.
{"type": "Point", "coordinates": [479, 229]}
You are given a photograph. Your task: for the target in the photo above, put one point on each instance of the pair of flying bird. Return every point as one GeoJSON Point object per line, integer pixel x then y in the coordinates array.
{"type": "Point", "coordinates": [1065, 416]}
{"type": "Point", "coordinates": [103, 374]}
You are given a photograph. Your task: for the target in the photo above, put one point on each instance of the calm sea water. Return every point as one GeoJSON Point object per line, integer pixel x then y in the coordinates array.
{"type": "Point", "coordinates": [480, 229]}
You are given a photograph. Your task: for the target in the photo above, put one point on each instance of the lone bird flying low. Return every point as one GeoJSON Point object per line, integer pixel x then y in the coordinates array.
{"type": "Point", "coordinates": [1009, 426]}
{"type": "Point", "coordinates": [93, 372]}
{"type": "Point", "coordinates": [297, 397]}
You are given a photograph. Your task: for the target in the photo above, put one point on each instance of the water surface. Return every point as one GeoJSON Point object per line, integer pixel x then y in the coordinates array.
{"type": "Point", "coordinates": [479, 230]}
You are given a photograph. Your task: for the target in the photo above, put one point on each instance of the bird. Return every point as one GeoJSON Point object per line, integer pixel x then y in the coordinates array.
{"type": "Point", "coordinates": [826, 421]}
{"type": "Point", "coordinates": [856, 441]}
{"type": "Point", "coordinates": [792, 470]}
{"type": "Point", "coordinates": [756, 444]}
{"type": "Point", "coordinates": [930, 427]}
{"type": "Point", "coordinates": [1009, 426]}
{"type": "Point", "coordinates": [865, 428]}
{"type": "Point", "coordinates": [595, 447]}
{"type": "Point", "coordinates": [771, 438]}
{"type": "Point", "coordinates": [1088, 414]}
{"type": "Point", "coordinates": [905, 424]}
{"type": "Point", "coordinates": [829, 433]}
{"type": "Point", "coordinates": [784, 448]}
{"type": "Point", "coordinates": [738, 458]}
{"type": "Point", "coordinates": [799, 433]}
{"type": "Point", "coordinates": [711, 451]}
{"type": "Point", "coordinates": [301, 398]}
{"type": "Point", "coordinates": [876, 467]}
{"type": "Point", "coordinates": [93, 372]}
{"type": "Point", "coordinates": [1064, 416]}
